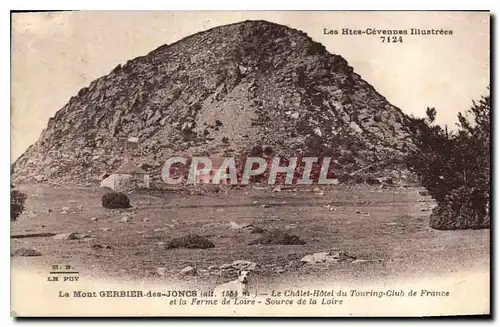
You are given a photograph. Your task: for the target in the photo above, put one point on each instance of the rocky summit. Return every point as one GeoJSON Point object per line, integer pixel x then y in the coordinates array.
{"type": "Point", "coordinates": [221, 92]}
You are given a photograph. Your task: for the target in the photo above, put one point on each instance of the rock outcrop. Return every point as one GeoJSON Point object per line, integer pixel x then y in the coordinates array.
{"type": "Point", "coordinates": [221, 91]}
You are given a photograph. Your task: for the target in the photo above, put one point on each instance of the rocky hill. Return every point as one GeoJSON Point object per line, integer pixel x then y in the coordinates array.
{"type": "Point", "coordinates": [222, 91]}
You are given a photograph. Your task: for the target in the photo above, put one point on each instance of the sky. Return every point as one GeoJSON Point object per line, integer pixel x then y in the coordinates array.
{"type": "Point", "coordinates": [54, 55]}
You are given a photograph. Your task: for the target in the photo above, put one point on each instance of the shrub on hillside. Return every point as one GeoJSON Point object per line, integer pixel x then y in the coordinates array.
{"type": "Point", "coordinates": [17, 200]}
{"type": "Point", "coordinates": [115, 200]}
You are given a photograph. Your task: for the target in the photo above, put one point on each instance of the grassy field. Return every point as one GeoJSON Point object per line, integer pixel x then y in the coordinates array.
{"type": "Point", "coordinates": [388, 225]}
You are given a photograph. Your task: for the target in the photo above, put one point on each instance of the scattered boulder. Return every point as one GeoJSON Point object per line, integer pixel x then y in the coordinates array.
{"type": "Point", "coordinates": [361, 261]}
{"type": "Point", "coordinates": [257, 230]}
{"type": "Point", "coordinates": [248, 226]}
{"type": "Point", "coordinates": [423, 193]}
{"type": "Point", "coordinates": [238, 265]}
{"type": "Point", "coordinates": [316, 257]}
{"type": "Point", "coordinates": [66, 236]}
{"type": "Point", "coordinates": [279, 270]}
{"type": "Point", "coordinates": [124, 219]}
{"type": "Point", "coordinates": [244, 265]}
{"type": "Point", "coordinates": [161, 271]}
{"type": "Point", "coordinates": [234, 225]}
{"type": "Point", "coordinates": [277, 237]}
{"type": "Point", "coordinates": [93, 219]}
{"type": "Point", "coordinates": [294, 265]}
{"type": "Point", "coordinates": [277, 189]}
{"type": "Point", "coordinates": [188, 271]}
{"type": "Point", "coordinates": [334, 256]}
{"type": "Point", "coordinates": [273, 218]}
{"type": "Point", "coordinates": [100, 246]}
{"type": "Point", "coordinates": [70, 236]}
{"type": "Point", "coordinates": [225, 266]}
{"type": "Point", "coordinates": [25, 252]}
{"type": "Point", "coordinates": [190, 241]}
{"type": "Point", "coordinates": [115, 200]}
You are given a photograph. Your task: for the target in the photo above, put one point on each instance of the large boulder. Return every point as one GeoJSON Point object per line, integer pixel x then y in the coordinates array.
{"type": "Point", "coordinates": [332, 256]}
{"type": "Point", "coordinates": [66, 236]}
{"type": "Point", "coordinates": [188, 271]}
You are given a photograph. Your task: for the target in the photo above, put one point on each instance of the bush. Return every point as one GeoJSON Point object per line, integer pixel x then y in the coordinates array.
{"type": "Point", "coordinates": [115, 200]}
{"type": "Point", "coordinates": [278, 237]}
{"type": "Point", "coordinates": [17, 199]}
{"type": "Point", "coordinates": [455, 167]}
{"type": "Point", "coordinates": [463, 209]}
{"type": "Point", "coordinates": [191, 241]}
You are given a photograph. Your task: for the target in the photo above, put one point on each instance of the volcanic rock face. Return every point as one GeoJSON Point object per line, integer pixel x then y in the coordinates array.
{"type": "Point", "coordinates": [221, 91]}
